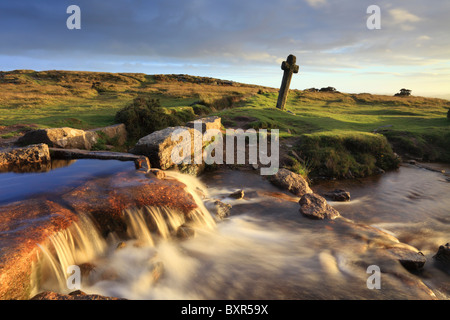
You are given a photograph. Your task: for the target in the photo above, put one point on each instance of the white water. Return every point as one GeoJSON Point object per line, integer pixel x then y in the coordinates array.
{"type": "Point", "coordinates": [265, 250]}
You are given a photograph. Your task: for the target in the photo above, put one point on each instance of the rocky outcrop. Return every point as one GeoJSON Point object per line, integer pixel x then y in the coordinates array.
{"type": "Point", "coordinates": [291, 182]}
{"type": "Point", "coordinates": [32, 155]}
{"type": "Point", "coordinates": [316, 207]}
{"type": "Point", "coordinates": [69, 138]}
{"type": "Point", "coordinates": [76, 295]}
{"type": "Point", "coordinates": [338, 195]}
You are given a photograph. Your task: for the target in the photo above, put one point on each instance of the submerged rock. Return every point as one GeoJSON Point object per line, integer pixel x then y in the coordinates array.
{"type": "Point", "coordinates": [222, 210]}
{"type": "Point", "coordinates": [185, 232]}
{"type": "Point", "coordinates": [338, 195]}
{"type": "Point", "coordinates": [291, 182]}
{"type": "Point", "coordinates": [316, 207]}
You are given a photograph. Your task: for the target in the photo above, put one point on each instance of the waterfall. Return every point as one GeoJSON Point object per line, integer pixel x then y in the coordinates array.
{"type": "Point", "coordinates": [82, 244]}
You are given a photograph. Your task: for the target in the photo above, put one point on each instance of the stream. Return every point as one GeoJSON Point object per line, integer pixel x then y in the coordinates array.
{"type": "Point", "coordinates": [265, 249]}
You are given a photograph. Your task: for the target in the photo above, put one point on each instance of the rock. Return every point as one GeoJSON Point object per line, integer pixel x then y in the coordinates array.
{"type": "Point", "coordinates": [442, 258]}
{"type": "Point", "coordinates": [237, 195]}
{"type": "Point", "coordinates": [206, 123]}
{"type": "Point", "coordinates": [338, 195]}
{"type": "Point", "coordinates": [141, 162]}
{"type": "Point", "coordinates": [24, 225]}
{"type": "Point", "coordinates": [117, 131]}
{"type": "Point", "coordinates": [222, 210]}
{"type": "Point", "coordinates": [76, 295]}
{"type": "Point", "coordinates": [66, 138]}
{"type": "Point", "coordinates": [121, 245]}
{"type": "Point", "coordinates": [291, 182]}
{"type": "Point", "coordinates": [106, 198]}
{"type": "Point", "coordinates": [158, 146]}
{"type": "Point", "coordinates": [32, 155]}
{"type": "Point", "coordinates": [185, 232]}
{"type": "Point", "coordinates": [159, 174]}
{"type": "Point", "coordinates": [410, 259]}
{"type": "Point", "coordinates": [316, 207]}
{"type": "Point", "coordinates": [69, 138]}
{"type": "Point", "coordinates": [86, 268]}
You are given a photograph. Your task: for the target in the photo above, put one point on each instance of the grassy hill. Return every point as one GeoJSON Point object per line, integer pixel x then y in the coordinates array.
{"type": "Point", "coordinates": [332, 134]}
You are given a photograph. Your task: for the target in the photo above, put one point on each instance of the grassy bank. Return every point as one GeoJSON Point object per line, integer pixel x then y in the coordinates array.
{"type": "Point", "coordinates": [323, 133]}
{"type": "Point", "coordinates": [350, 135]}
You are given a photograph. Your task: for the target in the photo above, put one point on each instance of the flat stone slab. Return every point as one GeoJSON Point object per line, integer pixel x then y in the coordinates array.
{"type": "Point", "coordinates": [140, 161]}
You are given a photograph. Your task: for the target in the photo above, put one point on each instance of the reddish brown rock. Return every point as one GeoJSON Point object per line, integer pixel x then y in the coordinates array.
{"type": "Point", "coordinates": [106, 198]}
{"type": "Point", "coordinates": [76, 295]}
{"type": "Point", "coordinates": [24, 225]}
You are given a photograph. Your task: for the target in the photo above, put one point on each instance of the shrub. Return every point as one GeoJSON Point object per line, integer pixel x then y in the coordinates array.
{"type": "Point", "coordinates": [142, 117]}
{"type": "Point", "coordinates": [347, 155]}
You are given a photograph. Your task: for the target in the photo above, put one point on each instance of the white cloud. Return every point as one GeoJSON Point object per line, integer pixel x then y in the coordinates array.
{"type": "Point", "coordinates": [402, 16]}
{"type": "Point", "coordinates": [316, 3]}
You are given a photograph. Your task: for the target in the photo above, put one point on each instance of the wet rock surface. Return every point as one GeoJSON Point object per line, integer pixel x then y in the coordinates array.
{"type": "Point", "coordinates": [291, 182]}
{"type": "Point", "coordinates": [76, 295]}
{"type": "Point", "coordinates": [314, 206]}
{"type": "Point", "coordinates": [338, 195]}
{"type": "Point", "coordinates": [27, 223]}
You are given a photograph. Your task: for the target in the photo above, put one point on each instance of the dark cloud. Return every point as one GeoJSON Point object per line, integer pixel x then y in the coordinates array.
{"type": "Point", "coordinates": [216, 33]}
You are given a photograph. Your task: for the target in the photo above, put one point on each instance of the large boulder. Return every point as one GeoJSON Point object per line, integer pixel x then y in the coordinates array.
{"type": "Point", "coordinates": [158, 146]}
{"type": "Point", "coordinates": [316, 207]}
{"type": "Point", "coordinates": [291, 182]}
{"type": "Point", "coordinates": [31, 155]}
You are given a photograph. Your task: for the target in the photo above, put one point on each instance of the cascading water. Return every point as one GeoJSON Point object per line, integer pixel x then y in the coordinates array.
{"type": "Point", "coordinates": [82, 245]}
{"type": "Point", "coordinates": [265, 249]}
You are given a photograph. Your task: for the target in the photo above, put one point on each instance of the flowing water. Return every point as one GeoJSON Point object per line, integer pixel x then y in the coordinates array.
{"type": "Point", "coordinates": [265, 249]}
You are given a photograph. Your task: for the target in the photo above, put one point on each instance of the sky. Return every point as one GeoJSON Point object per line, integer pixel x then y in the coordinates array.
{"type": "Point", "coordinates": [239, 40]}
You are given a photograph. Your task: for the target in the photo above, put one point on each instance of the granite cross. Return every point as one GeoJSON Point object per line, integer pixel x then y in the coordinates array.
{"type": "Point", "coordinates": [289, 68]}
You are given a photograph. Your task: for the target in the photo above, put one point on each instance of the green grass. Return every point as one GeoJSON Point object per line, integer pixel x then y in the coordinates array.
{"type": "Point", "coordinates": [334, 134]}
{"type": "Point", "coordinates": [350, 135]}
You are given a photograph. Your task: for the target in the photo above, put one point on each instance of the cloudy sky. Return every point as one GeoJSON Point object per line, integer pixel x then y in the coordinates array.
{"type": "Point", "coordinates": [240, 40]}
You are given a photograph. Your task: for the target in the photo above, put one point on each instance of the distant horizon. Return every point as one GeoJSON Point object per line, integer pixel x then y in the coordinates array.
{"type": "Point", "coordinates": [438, 96]}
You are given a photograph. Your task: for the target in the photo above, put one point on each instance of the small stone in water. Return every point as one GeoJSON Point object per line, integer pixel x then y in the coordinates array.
{"type": "Point", "coordinates": [237, 195]}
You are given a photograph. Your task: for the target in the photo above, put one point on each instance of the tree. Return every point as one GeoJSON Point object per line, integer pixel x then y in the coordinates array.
{"type": "Point", "coordinates": [403, 93]}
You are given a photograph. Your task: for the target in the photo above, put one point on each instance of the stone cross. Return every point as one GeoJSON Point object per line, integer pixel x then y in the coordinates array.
{"type": "Point", "coordinates": [289, 68]}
